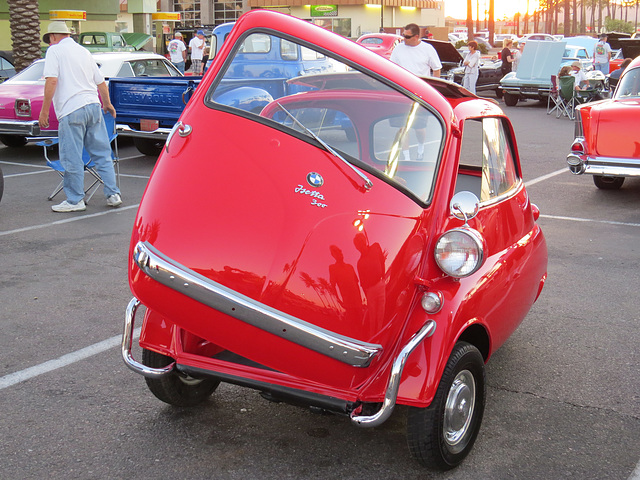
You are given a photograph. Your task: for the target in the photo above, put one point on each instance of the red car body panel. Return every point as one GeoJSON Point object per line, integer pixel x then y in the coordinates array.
{"type": "Point", "coordinates": [228, 202]}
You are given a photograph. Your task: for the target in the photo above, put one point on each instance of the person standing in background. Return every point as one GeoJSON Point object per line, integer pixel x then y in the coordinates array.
{"type": "Point", "coordinates": [418, 57]}
{"type": "Point", "coordinates": [196, 49]}
{"type": "Point", "coordinates": [471, 67]}
{"type": "Point", "coordinates": [507, 57]}
{"type": "Point", "coordinates": [602, 55]}
{"type": "Point", "coordinates": [177, 52]}
{"type": "Point", "coordinates": [517, 55]}
{"type": "Point", "coordinates": [73, 83]}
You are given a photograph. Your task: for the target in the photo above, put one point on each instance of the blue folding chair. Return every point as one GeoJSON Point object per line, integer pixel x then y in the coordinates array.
{"type": "Point", "coordinates": [89, 166]}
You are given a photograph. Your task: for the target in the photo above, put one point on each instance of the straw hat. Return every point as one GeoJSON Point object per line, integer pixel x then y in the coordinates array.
{"type": "Point", "coordinates": [56, 27]}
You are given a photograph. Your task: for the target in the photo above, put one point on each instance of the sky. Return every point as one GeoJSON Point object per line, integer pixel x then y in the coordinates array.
{"type": "Point", "coordinates": [458, 8]}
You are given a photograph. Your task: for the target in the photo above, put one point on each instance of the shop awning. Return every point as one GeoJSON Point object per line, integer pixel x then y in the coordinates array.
{"type": "Point", "coordinates": [387, 3]}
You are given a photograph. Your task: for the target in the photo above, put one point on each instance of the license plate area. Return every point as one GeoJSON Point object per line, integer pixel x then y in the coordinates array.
{"type": "Point", "coordinates": [147, 125]}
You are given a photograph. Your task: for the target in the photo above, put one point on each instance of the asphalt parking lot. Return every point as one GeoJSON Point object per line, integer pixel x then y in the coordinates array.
{"type": "Point", "coordinates": [563, 392]}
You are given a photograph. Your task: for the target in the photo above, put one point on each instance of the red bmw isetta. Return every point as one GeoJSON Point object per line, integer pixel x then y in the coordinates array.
{"type": "Point", "coordinates": [349, 239]}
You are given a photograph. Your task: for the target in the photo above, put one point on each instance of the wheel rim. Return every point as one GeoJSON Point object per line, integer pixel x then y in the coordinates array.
{"type": "Point", "coordinates": [459, 410]}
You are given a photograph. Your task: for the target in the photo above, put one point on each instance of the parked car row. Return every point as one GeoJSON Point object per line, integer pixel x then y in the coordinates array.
{"type": "Point", "coordinates": [22, 95]}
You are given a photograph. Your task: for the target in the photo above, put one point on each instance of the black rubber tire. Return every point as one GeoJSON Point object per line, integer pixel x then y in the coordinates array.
{"type": "Point", "coordinates": [498, 93]}
{"type": "Point", "coordinates": [509, 99]}
{"type": "Point", "coordinates": [176, 389]}
{"type": "Point", "coordinates": [13, 141]}
{"type": "Point", "coordinates": [426, 426]}
{"type": "Point", "coordinates": [148, 146]}
{"type": "Point", "coordinates": [608, 183]}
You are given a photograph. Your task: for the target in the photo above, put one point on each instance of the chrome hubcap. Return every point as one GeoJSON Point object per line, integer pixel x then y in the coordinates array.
{"type": "Point", "coordinates": [459, 410]}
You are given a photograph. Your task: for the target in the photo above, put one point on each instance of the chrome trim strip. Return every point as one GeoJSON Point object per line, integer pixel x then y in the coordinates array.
{"type": "Point", "coordinates": [127, 131]}
{"type": "Point", "coordinates": [393, 386]}
{"type": "Point", "coordinates": [200, 288]}
{"type": "Point", "coordinates": [127, 339]}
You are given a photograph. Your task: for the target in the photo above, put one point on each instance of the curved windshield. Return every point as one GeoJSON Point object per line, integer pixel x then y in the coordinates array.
{"type": "Point", "coordinates": [629, 85]}
{"type": "Point", "coordinates": [369, 124]}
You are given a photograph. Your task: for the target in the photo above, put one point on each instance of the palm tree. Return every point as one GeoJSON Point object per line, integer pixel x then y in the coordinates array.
{"type": "Point", "coordinates": [24, 20]}
{"type": "Point", "coordinates": [567, 18]}
{"type": "Point", "coordinates": [469, 20]}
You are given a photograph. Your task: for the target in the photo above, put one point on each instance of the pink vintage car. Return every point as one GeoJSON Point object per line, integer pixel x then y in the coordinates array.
{"type": "Point", "coordinates": [21, 96]}
{"type": "Point", "coordinates": [607, 134]}
{"type": "Point", "coordinates": [362, 240]}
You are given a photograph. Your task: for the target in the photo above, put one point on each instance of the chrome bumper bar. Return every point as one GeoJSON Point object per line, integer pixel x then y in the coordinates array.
{"type": "Point", "coordinates": [127, 340]}
{"type": "Point", "coordinates": [184, 280]}
{"type": "Point", "coordinates": [127, 131]}
{"type": "Point", "coordinates": [393, 385]}
{"type": "Point", "coordinates": [607, 166]}
{"type": "Point", "coordinates": [24, 128]}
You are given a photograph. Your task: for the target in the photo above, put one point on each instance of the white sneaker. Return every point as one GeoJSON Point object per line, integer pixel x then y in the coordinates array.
{"type": "Point", "coordinates": [114, 200]}
{"type": "Point", "coordinates": [69, 207]}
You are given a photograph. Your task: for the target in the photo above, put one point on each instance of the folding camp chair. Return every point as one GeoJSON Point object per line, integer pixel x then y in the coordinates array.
{"type": "Point", "coordinates": [567, 95]}
{"type": "Point", "coordinates": [89, 166]}
{"type": "Point", "coordinates": [554, 97]}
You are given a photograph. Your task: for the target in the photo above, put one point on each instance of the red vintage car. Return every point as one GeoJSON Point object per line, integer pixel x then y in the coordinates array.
{"type": "Point", "coordinates": [606, 140]}
{"type": "Point", "coordinates": [380, 43]}
{"type": "Point", "coordinates": [362, 239]}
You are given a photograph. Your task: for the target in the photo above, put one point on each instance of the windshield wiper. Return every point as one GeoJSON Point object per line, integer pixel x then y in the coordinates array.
{"type": "Point", "coordinates": [367, 183]}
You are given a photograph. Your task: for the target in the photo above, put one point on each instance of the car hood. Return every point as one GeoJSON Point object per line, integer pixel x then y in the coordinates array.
{"type": "Point", "coordinates": [539, 61]}
{"type": "Point", "coordinates": [445, 50]}
{"type": "Point", "coordinates": [137, 40]}
{"type": "Point", "coordinates": [630, 47]}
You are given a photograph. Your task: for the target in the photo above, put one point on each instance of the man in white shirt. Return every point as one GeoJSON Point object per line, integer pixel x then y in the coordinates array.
{"type": "Point", "coordinates": [421, 59]}
{"type": "Point", "coordinates": [177, 51]}
{"type": "Point", "coordinates": [196, 49]}
{"type": "Point", "coordinates": [602, 55]}
{"type": "Point", "coordinates": [418, 57]}
{"type": "Point", "coordinates": [580, 78]}
{"type": "Point", "coordinates": [72, 83]}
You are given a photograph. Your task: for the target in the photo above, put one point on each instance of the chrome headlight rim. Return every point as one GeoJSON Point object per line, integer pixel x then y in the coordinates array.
{"type": "Point", "coordinates": [477, 241]}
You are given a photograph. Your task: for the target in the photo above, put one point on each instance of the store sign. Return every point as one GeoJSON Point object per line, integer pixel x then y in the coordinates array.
{"type": "Point", "coordinates": [64, 15]}
{"type": "Point", "coordinates": [165, 16]}
{"type": "Point", "coordinates": [324, 10]}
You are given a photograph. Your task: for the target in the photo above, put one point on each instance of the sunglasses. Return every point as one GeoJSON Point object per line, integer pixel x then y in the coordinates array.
{"type": "Point", "coordinates": [408, 36]}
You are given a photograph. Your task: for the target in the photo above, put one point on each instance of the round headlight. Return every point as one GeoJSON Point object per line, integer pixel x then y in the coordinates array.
{"type": "Point", "coordinates": [459, 252]}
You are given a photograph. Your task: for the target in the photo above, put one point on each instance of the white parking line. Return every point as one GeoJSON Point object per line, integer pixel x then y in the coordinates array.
{"type": "Point", "coordinates": [67, 220]}
{"type": "Point", "coordinates": [590, 220]}
{"type": "Point", "coordinates": [635, 475]}
{"type": "Point", "coordinates": [545, 177]}
{"type": "Point", "coordinates": [63, 361]}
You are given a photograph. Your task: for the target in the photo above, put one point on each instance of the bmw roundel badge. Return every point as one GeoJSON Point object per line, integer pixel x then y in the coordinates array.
{"type": "Point", "coordinates": [315, 179]}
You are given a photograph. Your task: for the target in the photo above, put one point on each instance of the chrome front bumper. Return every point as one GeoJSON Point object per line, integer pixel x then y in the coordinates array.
{"type": "Point", "coordinates": [208, 292]}
{"type": "Point", "coordinates": [605, 166]}
{"type": "Point", "coordinates": [24, 128]}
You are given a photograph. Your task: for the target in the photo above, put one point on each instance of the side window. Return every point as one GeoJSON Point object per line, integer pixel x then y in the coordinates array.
{"type": "Point", "coordinates": [100, 40]}
{"type": "Point", "coordinates": [487, 165]}
{"type": "Point", "coordinates": [288, 50]}
{"type": "Point", "coordinates": [118, 41]}
{"type": "Point", "coordinates": [125, 70]}
{"type": "Point", "coordinates": [256, 43]}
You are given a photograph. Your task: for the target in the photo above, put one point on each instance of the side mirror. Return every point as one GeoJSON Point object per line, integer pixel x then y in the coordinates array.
{"type": "Point", "coordinates": [464, 205]}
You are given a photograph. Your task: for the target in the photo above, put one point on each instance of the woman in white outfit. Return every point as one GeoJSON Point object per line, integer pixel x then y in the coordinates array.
{"type": "Point", "coordinates": [471, 67]}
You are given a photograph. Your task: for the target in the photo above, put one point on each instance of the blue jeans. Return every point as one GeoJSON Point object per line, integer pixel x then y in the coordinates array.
{"type": "Point", "coordinates": [85, 127]}
{"type": "Point", "coordinates": [179, 66]}
{"type": "Point", "coordinates": [603, 67]}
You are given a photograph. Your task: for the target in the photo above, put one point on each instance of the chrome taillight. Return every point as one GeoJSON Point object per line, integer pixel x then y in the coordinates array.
{"type": "Point", "coordinates": [577, 147]}
{"type": "Point", "coordinates": [23, 107]}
